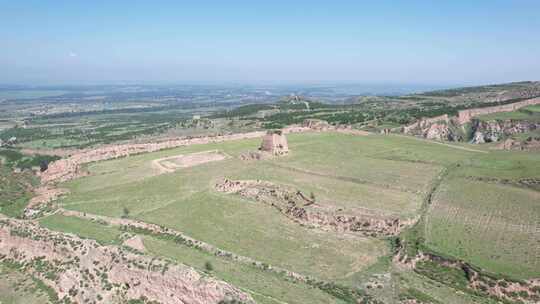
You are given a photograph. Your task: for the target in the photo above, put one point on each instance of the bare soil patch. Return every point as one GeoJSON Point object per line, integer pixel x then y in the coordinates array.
{"type": "Point", "coordinates": [173, 163]}
{"type": "Point", "coordinates": [45, 194]}
{"type": "Point", "coordinates": [136, 243]}
{"type": "Point", "coordinates": [110, 273]}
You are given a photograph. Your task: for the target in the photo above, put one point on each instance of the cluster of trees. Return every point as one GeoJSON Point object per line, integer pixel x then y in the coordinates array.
{"type": "Point", "coordinates": [301, 105]}
{"type": "Point", "coordinates": [14, 159]}
{"type": "Point", "coordinates": [14, 191]}
{"type": "Point", "coordinates": [342, 117]}
{"type": "Point", "coordinates": [406, 116]}
{"type": "Point", "coordinates": [23, 134]}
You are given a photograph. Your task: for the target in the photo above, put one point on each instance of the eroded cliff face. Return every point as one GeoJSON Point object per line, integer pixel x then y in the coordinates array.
{"type": "Point", "coordinates": [465, 116]}
{"type": "Point", "coordinates": [307, 212]}
{"type": "Point", "coordinates": [110, 274]}
{"type": "Point", "coordinates": [529, 144]}
{"type": "Point", "coordinates": [480, 132]}
{"type": "Point", "coordinates": [496, 130]}
{"type": "Point", "coordinates": [497, 288]}
{"type": "Point", "coordinates": [445, 128]}
{"type": "Point", "coordinates": [441, 128]}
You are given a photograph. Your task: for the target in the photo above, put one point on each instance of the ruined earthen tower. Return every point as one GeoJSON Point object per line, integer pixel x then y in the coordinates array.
{"type": "Point", "coordinates": [275, 143]}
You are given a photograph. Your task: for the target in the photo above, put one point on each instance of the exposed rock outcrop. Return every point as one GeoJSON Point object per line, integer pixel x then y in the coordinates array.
{"type": "Point", "coordinates": [316, 124]}
{"type": "Point", "coordinates": [110, 274]}
{"type": "Point", "coordinates": [137, 226]}
{"type": "Point", "coordinates": [69, 168]}
{"type": "Point", "coordinates": [495, 130]}
{"type": "Point", "coordinates": [438, 131]}
{"type": "Point", "coordinates": [46, 194]}
{"type": "Point", "coordinates": [444, 128]}
{"type": "Point", "coordinates": [72, 167]}
{"type": "Point", "coordinates": [529, 144]}
{"type": "Point", "coordinates": [436, 128]}
{"type": "Point", "coordinates": [425, 122]}
{"type": "Point", "coordinates": [527, 291]}
{"type": "Point", "coordinates": [307, 212]}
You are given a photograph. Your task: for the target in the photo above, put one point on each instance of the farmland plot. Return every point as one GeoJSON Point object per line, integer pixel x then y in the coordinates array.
{"type": "Point", "coordinates": [479, 213]}
{"type": "Point", "coordinates": [491, 225]}
{"type": "Point", "coordinates": [350, 177]}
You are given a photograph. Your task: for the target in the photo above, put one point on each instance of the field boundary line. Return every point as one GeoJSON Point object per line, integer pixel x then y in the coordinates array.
{"type": "Point", "coordinates": [207, 247]}
{"type": "Point", "coordinates": [169, 202]}
{"type": "Point", "coordinates": [163, 169]}
{"type": "Point", "coordinates": [349, 179]}
{"type": "Point", "coordinates": [441, 143]}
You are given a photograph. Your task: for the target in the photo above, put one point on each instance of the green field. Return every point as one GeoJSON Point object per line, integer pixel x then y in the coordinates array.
{"type": "Point", "coordinates": [492, 225]}
{"type": "Point", "coordinates": [422, 288]}
{"type": "Point", "coordinates": [530, 113]}
{"type": "Point", "coordinates": [186, 201]}
{"type": "Point", "coordinates": [265, 287]}
{"type": "Point", "coordinates": [92, 230]}
{"type": "Point", "coordinates": [481, 212]}
{"type": "Point", "coordinates": [361, 174]}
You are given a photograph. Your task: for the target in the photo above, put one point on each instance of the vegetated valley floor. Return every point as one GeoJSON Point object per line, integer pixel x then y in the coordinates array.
{"type": "Point", "coordinates": [482, 212]}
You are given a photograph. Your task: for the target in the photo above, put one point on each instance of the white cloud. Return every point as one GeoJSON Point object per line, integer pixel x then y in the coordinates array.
{"type": "Point", "coordinates": [72, 54]}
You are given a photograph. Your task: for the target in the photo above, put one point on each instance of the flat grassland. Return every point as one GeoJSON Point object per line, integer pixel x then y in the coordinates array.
{"type": "Point", "coordinates": [265, 287]}
{"type": "Point", "coordinates": [350, 177]}
{"type": "Point", "coordinates": [86, 229]}
{"type": "Point", "coordinates": [486, 213]}
{"type": "Point", "coordinates": [389, 175]}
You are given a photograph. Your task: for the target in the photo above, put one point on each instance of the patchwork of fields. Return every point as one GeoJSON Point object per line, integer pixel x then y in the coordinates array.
{"type": "Point", "coordinates": [479, 212]}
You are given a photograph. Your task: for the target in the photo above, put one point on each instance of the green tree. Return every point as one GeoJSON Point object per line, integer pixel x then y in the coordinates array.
{"type": "Point", "coordinates": [125, 212]}
{"type": "Point", "coordinates": [208, 266]}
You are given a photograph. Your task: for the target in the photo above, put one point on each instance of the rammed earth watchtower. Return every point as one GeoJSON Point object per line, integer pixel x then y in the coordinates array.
{"type": "Point", "coordinates": [275, 143]}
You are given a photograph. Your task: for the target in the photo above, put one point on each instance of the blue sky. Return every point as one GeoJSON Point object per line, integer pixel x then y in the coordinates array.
{"type": "Point", "coordinates": [428, 42]}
